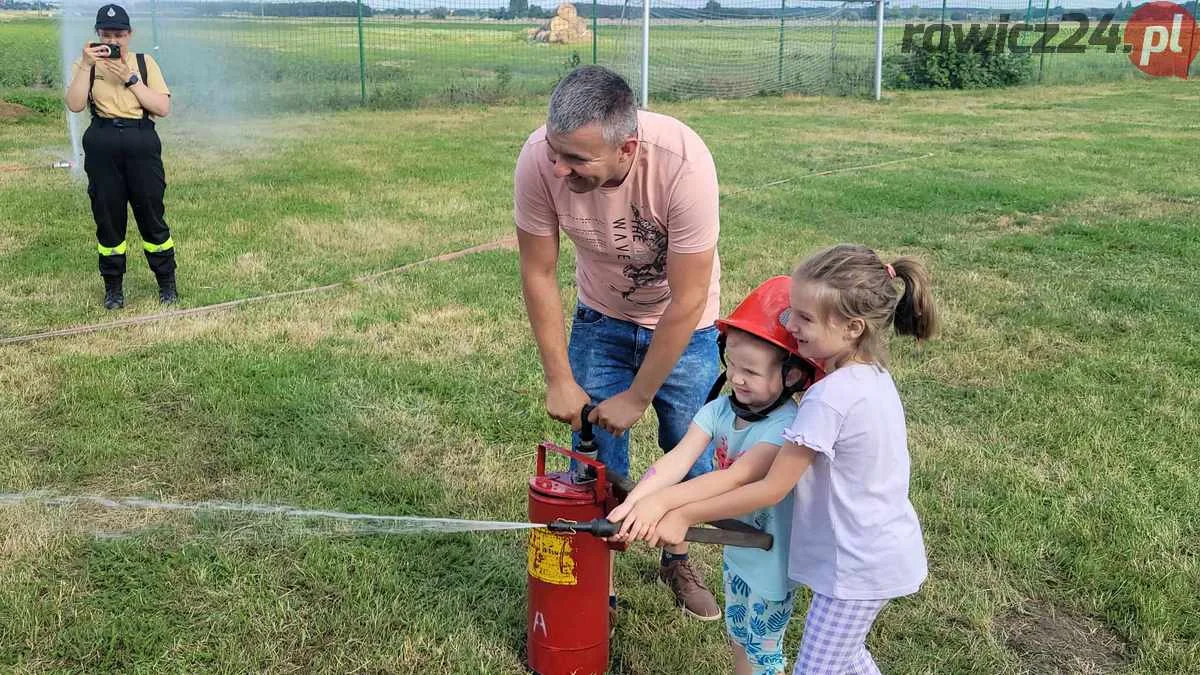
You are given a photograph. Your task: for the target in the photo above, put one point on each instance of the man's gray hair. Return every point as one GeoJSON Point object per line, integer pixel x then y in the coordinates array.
{"type": "Point", "coordinates": [594, 94]}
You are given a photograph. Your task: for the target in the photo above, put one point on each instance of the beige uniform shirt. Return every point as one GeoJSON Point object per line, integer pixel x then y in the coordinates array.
{"type": "Point", "coordinates": [113, 99]}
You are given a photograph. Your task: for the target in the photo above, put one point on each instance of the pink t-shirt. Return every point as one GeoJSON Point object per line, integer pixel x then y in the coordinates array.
{"type": "Point", "coordinates": [667, 203]}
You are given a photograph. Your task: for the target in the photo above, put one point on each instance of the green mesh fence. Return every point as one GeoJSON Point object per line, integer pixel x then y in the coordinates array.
{"type": "Point", "coordinates": [737, 49]}
{"type": "Point", "coordinates": [248, 56]}
{"type": "Point", "coordinates": [252, 57]}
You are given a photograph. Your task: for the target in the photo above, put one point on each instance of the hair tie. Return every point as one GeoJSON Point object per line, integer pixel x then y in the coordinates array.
{"type": "Point", "coordinates": [891, 271]}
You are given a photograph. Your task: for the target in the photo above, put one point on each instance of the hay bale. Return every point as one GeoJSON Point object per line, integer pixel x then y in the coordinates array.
{"type": "Point", "coordinates": [566, 27]}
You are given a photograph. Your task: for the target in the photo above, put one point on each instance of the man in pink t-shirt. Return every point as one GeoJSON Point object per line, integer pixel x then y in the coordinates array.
{"type": "Point", "coordinates": [636, 192]}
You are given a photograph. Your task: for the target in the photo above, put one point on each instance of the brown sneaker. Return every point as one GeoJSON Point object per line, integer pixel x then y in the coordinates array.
{"type": "Point", "coordinates": [690, 592]}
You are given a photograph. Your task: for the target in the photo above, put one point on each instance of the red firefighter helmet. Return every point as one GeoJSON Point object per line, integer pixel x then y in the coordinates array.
{"type": "Point", "coordinates": [759, 314]}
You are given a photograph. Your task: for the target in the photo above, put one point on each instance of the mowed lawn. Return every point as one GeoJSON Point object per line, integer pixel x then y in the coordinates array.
{"type": "Point", "coordinates": [1052, 425]}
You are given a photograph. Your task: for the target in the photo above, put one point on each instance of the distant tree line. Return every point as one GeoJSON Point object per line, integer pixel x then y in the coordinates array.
{"type": "Point", "coordinates": [1037, 13]}
{"type": "Point", "coordinates": [521, 9]}
{"type": "Point", "coordinates": [25, 6]}
{"type": "Point", "coordinates": [341, 8]}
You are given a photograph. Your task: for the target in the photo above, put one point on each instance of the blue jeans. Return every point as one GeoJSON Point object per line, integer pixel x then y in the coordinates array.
{"type": "Point", "coordinates": [605, 354]}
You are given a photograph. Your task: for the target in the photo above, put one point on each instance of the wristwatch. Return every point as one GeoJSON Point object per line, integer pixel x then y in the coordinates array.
{"type": "Point", "coordinates": [133, 79]}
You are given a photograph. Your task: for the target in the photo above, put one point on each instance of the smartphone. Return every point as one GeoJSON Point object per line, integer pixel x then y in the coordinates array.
{"type": "Point", "coordinates": [114, 51]}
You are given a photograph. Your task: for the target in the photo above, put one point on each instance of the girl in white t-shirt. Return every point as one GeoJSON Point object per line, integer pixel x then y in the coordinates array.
{"type": "Point", "coordinates": [855, 539]}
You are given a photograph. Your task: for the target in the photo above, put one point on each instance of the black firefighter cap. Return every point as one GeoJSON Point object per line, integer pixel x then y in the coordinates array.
{"type": "Point", "coordinates": [112, 17]}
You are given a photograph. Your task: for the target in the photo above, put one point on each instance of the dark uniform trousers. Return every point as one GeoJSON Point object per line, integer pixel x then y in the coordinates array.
{"type": "Point", "coordinates": [123, 161]}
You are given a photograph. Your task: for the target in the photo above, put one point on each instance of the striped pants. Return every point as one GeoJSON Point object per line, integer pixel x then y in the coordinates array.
{"type": "Point", "coordinates": [835, 637]}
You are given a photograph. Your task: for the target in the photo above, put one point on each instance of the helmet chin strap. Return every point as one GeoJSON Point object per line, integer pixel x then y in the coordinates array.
{"type": "Point", "coordinates": [747, 415]}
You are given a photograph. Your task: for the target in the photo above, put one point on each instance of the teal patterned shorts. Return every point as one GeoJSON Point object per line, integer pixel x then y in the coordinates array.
{"type": "Point", "coordinates": [756, 623]}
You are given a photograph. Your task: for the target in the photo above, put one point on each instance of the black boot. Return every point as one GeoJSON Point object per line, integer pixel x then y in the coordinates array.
{"type": "Point", "coordinates": [114, 298]}
{"type": "Point", "coordinates": [166, 290]}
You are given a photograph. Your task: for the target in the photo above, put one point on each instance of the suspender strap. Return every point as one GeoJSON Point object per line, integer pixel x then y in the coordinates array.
{"type": "Point", "coordinates": [141, 61]}
{"type": "Point", "coordinates": [92, 83]}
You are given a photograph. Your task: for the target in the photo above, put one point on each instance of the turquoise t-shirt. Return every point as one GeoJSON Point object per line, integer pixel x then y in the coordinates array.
{"type": "Point", "coordinates": [765, 571]}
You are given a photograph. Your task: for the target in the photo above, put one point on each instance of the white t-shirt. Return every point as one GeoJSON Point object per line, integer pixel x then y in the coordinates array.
{"type": "Point", "coordinates": [855, 534]}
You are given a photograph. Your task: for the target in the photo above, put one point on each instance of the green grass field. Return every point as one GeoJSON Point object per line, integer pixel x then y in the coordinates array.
{"type": "Point", "coordinates": [1051, 425]}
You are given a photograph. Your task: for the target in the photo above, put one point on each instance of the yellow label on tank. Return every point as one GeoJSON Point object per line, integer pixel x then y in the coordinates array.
{"type": "Point", "coordinates": [550, 558]}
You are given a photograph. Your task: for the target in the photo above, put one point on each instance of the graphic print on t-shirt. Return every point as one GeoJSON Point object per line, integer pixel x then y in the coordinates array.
{"type": "Point", "coordinates": [649, 236]}
{"type": "Point", "coordinates": [724, 461]}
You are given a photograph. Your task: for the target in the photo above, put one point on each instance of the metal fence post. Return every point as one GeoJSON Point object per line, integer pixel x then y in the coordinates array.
{"type": "Point", "coordinates": [1045, 27]}
{"type": "Point", "coordinates": [782, 10]}
{"type": "Point", "coordinates": [879, 49]}
{"type": "Point", "coordinates": [833, 60]}
{"type": "Point", "coordinates": [362, 58]}
{"type": "Point", "coordinates": [595, 33]}
{"type": "Point", "coordinates": [1192, 42]}
{"type": "Point", "coordinates": [154, 22]}
{"type": "Point", "coordinates": [646, 54]}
